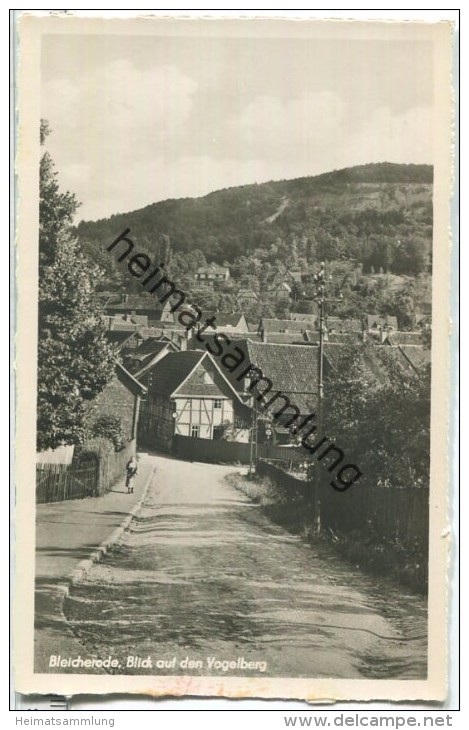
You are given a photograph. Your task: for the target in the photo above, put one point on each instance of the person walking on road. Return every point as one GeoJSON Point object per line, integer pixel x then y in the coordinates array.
{"type": "Point", "coordinates": [131, 471]}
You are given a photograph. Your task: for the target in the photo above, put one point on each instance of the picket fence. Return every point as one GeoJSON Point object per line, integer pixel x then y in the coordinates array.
{"type": "Point", "coordinates": [92, 477]}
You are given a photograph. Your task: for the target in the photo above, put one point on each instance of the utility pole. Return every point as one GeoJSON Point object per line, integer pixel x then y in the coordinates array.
{"type": "Point", "coordinates": [320, 298]}
{"type": "Point", "coordinates": [253, 439]}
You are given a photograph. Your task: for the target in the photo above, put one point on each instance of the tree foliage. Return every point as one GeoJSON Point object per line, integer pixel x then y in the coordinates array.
{"type": "Point", "coordinates": [56, 208]}
{"type": "Point", "coordinates": [366, 222]}
{"type": "Point", "coordinates": [382, 424]}
{"type": "Point", "coordinates": [74, 359]}
{"type": "Point", "coordinates": [379, 215]}
{"type": "Point", "coordinates": [109, 427]}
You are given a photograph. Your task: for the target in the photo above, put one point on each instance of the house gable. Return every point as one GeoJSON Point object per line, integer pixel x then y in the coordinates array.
{"type": "Point", "coordinates": [205, 380]}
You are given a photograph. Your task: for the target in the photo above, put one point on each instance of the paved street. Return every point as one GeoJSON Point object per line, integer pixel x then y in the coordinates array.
{"type": "Point", "coordinates": [202, 577]}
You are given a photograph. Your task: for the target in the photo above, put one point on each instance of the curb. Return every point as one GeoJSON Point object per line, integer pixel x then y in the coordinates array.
{"type": "Point", "coordinates": [85, 565]}
{"type": "Point", "coordinates": [62, 590]}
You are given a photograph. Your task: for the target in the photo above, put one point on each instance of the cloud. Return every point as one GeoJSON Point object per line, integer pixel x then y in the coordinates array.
{"type": "Point", "coordinates": [152, 179]}
{"type": "Point", "coordinates": [302, 125]}
{"type": "Point", "coordinates": [126, 137]}
{"type": "Point", "coordinates": [120, 98]}
{"type": "Point", "coordinates": [321, 132]}
{"type": "Point", "coordinates": [110, 123]}
{"type": "Point", "coordinates": [405, 137]}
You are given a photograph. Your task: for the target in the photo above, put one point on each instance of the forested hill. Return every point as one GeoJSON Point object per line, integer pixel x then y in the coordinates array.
{"type": "Point", "coordinates": [379, 215]}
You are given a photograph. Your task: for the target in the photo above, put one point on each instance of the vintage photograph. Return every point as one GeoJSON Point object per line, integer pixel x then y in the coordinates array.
{"type": "Point", "coordinates": [233, 357]}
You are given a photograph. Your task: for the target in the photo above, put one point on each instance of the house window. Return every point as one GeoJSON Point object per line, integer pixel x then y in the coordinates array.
{"type": "Point", "coordinates": [217, 403]}
{"type": "Point", "coordinates": [195, 431]}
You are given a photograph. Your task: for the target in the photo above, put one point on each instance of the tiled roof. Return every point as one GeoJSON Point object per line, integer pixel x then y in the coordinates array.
{"type": "Point", "coordinates": [172, 369]}
{"type": "Point", "coordinates": [282, 338]}
{"type": "Point", "coordinates": [375, 321]}
{"type": "Point", "coordinates": [150, 346]}
{"type": "Point", "coordinates": [333, 353]}
{"type": "Point", "coordinates": [343, 337]}
{"type": "Point", "coordinates": [310, 336]}
{"type": "Point", "coordinates": [340, 324]}
{"type": "Point", "coordinates": [138, 359]}
{"type": "Point", "coordinates": [405, 338]}
{"type": "Point", "coordinates": [120, 319]}
{"type": "Point", "coordinates": [209, 340]}
{"type": "Point", "coordinates": [158, 331]}
{"type": "Point", "coordinates": [282, 325]}
{"type": "Point", "coordinates": [293, 370]}
{"type": "Point", "coordinates": [124, 326]}
{"type": "Point", "coordinates": [135, 364]}
{"type": "Point", "coordinates": [417, 355]}
{"type": "Point", "coordinates": [223, 319]}
{"type": "Point", "coordinates": [118, 337]}
{"type": "Point", "coordinates": [129, 381]}
{"type": "Point", "coordinates": [310, 319]}
{"type": "Point", "coordinates": [247, 294]}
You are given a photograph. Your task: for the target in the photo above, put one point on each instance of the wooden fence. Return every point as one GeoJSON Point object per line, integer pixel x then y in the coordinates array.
{"type": "Point", "coordinates": [400, 514]}
{"type": "Point", "coordinates": [58, 482]}
{"type": "Point", "coordinates": [384, 530]}
{"type": "Point", "coordinates": [91, 478]}
{"type": "Point", "coordinates": [393, 513]}
{"type": "Point", "coordinates": [112, 466]}
{"type": "Point", "coordinates": [218, 450]}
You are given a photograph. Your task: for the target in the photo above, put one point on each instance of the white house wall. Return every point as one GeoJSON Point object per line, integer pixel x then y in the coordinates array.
{"type": "Point", "coordinates": [203, 414]}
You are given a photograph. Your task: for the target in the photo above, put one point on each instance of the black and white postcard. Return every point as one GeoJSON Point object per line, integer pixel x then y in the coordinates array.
{"type": "Point", "coordinates": [233, 357]}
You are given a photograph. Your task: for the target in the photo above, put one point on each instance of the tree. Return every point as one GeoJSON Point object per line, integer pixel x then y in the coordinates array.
{"type": "Point", "coordinates": [403, 307]}
{"type": "Point", "coordinates": [226, 303]}
{"type": "Point", "coordinates": [414, 256]}
{"type": "Point", "coordinates": [74, 359]}
{"type": "Point", "coordinates": [110, 428]}
{"type": "Point", "coordinates": [56, 209]}
{"type": "Point", "coordinates": [379, 415]}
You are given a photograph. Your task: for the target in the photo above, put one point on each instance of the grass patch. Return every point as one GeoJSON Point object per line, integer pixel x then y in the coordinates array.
{"type": "Point", "coordinates": [387, 558]}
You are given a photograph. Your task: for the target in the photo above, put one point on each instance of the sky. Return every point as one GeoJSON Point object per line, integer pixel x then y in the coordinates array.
{"type": "Point", "coordinates": [139, 119]}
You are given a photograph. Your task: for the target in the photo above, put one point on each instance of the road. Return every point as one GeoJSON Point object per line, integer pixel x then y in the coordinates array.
{"type": "Point", "coordinates": [203, 577]}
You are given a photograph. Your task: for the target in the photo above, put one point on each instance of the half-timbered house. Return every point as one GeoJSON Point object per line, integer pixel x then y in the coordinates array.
{"type": "Point", "coordinates": [190, 396]}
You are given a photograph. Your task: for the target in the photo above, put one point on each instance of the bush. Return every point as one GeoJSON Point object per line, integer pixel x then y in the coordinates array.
{"type": "Point", "coordinates": [110, 427]}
